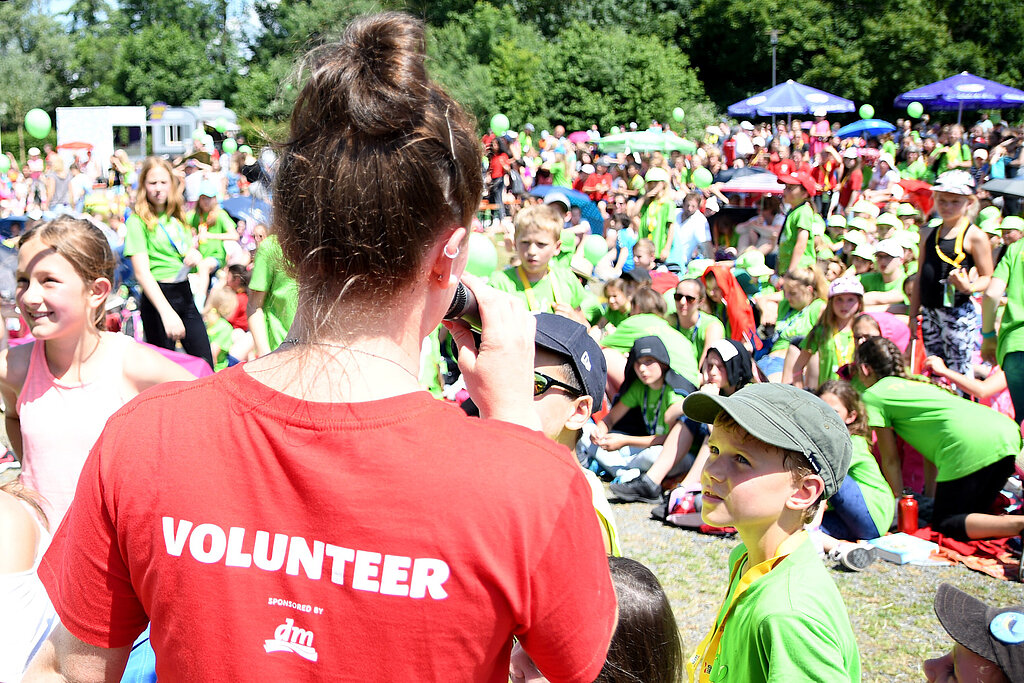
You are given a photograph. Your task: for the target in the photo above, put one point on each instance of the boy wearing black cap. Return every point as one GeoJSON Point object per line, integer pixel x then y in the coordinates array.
{"type": "Point", "coordinates": [569, 375]}
{"type": "Point", "coordinates": [776, 453]}
{"type": "Point", "coordinates": [989, 641]}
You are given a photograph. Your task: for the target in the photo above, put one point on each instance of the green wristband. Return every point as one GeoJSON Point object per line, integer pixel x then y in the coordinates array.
{"type": "Point", "coordinates": [988, 335]}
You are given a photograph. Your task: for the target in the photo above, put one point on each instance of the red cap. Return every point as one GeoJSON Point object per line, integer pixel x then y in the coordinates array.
{"type": "Point", "coordinates": [801, 178]}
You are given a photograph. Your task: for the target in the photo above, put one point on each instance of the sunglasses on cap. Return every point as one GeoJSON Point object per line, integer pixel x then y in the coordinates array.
{"type": "Point", "coordinates": [542, 383]}
{"type": "Point", "coordinates": [679, 297]}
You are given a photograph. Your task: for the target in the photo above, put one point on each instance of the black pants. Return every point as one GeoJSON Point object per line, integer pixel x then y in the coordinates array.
{"type": "Point", "coordinates": [976, 492]}
{"type": "Point", "coordinates": [179, 296]}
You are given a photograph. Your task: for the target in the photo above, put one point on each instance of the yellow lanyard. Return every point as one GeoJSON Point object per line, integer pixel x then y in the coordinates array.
{"type": "Point", "coordinates": [958, 246]}
{"type": "Point", "coordinates": [531, 296]}
{"type": "Point", "coordinates": [698, 669]}
{"type": "Point", "coordinates": [844, 352]}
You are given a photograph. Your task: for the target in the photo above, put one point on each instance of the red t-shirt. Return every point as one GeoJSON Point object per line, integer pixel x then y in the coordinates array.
{"type": "Point", "coordinates": [848, 186]}
{"type": "Point", "coordinates": [389, 540]}
{"type": "Point", "coordinates": [497, 166]}
{"type": "Point", "coordinates": [782, 167]}
{"type": "Point", "coordinates": [597, 186]}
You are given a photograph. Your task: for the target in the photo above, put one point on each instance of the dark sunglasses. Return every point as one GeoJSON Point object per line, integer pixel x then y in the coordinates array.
{"type": "Point", "coordinates": [542, 383]}
{"type": "Point", "coordinates": [680, 297]}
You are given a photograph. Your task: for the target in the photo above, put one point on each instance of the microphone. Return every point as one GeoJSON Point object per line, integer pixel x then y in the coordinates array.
{"type": "Point", "coordinates": [464, 307]}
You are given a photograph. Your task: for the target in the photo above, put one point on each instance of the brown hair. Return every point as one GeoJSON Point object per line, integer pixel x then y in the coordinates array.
{"type": "Point", "coordinates": [810, 277]}
{"type": "Point", "coordinates": [882, 356]}
{"type": "Point", "coordinates": [850, 399]}
{"type": "Point", "coordinates": [222, 300]}
{"type": "Point", "coordinates": [646, 300]}
{"type": "Point", "coordinates": [539, 217]}
{"type": "Point", "coordinates": [31, 498]}
{"type": "Point", "coordinates": [175, 207]}
{"type": "Point", "coordinates": [379, 162]}
{"type": "Point", "coordinates": [83, 245]}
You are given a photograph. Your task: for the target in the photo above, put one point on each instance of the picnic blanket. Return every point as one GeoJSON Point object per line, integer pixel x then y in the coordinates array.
{"type": "Point", "coordinates": [990, 556]}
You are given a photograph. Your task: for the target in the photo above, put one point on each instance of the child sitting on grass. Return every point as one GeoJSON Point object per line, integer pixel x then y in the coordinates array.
{"type": "Point", "coordinates": [776, 453]}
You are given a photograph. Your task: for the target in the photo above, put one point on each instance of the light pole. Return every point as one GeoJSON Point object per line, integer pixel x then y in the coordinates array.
{"type": "Point", "coordinates": [773, 34]}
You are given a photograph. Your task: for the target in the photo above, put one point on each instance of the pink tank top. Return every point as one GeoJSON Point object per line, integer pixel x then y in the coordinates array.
{"type": "Point", "coordinates": [61, 421]}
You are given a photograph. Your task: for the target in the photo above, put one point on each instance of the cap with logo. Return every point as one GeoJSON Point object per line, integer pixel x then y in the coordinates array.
{"type": "Point", "coordinates": [994, 633]}
{"type": "Point", "coordinates": [569, 339]}
{"type": "Point", "coordinates": [785, 417]}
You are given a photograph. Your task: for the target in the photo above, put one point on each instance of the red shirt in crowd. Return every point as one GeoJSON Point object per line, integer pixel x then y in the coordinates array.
{"type": "Point", "coordinates": [498, 165]}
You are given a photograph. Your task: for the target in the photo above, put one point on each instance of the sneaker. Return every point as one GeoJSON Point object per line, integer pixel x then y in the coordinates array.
{"type": "Point", "coordinates": [641, 490]}
{"type": "Point", "coordinates": [855, 558]}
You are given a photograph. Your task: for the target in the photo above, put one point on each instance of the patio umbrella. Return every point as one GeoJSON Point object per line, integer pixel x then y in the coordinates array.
{"type": "Point", "coordinates": [865, 128]}
{"type": "Point", "coordinates": [646, 141]}
{"type": "Point", "coordinates": [579, 136]}
{"type": "Point", "coordinates": [1010, 187]}
{"type": "Point", "coordinates": [757, 183]}
{"type": "Point", "coordinates": [963, 91]}
{"type": "Point", "coordinates": [725, 175]}
{"type": "Point", "coordinates": [588, 209]}
{"type": "Point", "coordinates": [247, 208]}
{"type": "Point", "coordinates": [790, 98]}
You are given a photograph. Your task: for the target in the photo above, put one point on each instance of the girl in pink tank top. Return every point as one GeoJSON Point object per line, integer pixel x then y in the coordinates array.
{"type": "Point", "coordinates": [60, 389]}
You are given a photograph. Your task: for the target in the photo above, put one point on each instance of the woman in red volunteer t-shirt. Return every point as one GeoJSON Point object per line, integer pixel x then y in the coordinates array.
{"type": "Point", "coordinates": [497, 166]}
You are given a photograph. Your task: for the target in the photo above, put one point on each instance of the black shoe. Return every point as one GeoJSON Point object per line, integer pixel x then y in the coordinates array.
{"type": "Point", "coordinates": [639, 490]}
{"type": "Point", "coordinates": [855, 558]}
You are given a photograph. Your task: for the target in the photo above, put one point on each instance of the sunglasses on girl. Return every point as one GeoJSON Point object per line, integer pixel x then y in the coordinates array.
{"type": "Point", "coordinates": [542, 383]}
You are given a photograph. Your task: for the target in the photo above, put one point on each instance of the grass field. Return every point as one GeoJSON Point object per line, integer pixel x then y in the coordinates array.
{"type": "Point", "coordinates": [890, 606]}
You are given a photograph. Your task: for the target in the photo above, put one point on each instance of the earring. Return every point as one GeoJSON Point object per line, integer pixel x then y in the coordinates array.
{"type": "Point", "coordinates": [452, 256]}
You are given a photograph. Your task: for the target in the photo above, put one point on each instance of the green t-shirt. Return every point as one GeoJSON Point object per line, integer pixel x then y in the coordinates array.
{"type": "Point", "coordinates": [615, 318]}
{"type": "Point", "coordinates": [833, 353]}
{"type": "Point", "coordinates": [639, 395]}
{"type": "Point", "coordinates": [698, 334]}
{"type": "Point", "coordinates": [799, 219]}
{"type": "Point", "coordinates": [219, 332]}
{"type": "Point", "coordinates": [680, 350]}
{"type": "Point", "coordinates": [792, 324]}
{"type": "Point", "coordinates": [221, 226]}
{"type": "Point", "coordinates": [559, 285]}
{"type": "Point", "coordinates": [873, 487]}
{"type": "Point", "coordinates": [166, 244]}
{"type": "Point", "coordinates": [281, 293]}
{"type": "Point", "coordinates": [1011, 330]}
{"type": "Point", "coordinates": [959, 436]}
{"type": "Point", "coordinates": [638, 184]}
{"type": "Point", "coordinates": [918, 170]}
{"type": "Point", "coordinates": [873, 282]}
{"type": "Point", "coordinates": [558, 175]}
{"type": "Point", "coordinates": [789, 626]}
{"type": "Point", "coordinates": [654, 221]}
{"type": "Point", "coordinates": [430, 364]}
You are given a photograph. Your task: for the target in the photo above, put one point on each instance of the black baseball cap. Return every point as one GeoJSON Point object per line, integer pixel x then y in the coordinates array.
{"type": "Point", "coordinates": [787, 418]}
{"type": "Point", "coordinates": [997, 634]}
{"type": "Point", "coordinates": [570, 340]}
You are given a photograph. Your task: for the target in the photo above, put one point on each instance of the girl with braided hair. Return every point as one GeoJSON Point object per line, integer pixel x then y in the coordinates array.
{"type": "Point", "coordinates": [972, 446]}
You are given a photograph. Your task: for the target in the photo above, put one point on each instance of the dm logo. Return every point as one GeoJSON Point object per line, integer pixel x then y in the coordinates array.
{"type": "Point", "coordinates": [290, 638]}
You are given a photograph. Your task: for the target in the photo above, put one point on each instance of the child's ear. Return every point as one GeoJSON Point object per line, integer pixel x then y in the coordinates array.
{"type": "Point", "coordinates": [851, 417]}
{"type": "Point", "coordinates": [99, 290]}
{"type": "Point", "coordinates": [582, 408]}
{"type": "Point", "coordinates": [808, 491]}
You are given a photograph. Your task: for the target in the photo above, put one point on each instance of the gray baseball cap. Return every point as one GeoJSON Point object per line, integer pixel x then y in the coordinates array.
{"type": "Point", "coordinates": [785, 417]}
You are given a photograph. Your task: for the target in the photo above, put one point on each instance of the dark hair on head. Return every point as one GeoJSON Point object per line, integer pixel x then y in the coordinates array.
{"type": "Point", "coordinates": [646, 645]}
{"type": "Point", "coordinates": [646, 300]}
{"type": "Point", "coordinates": [378, 164]}
{"type": "Point", "coordinates": [240, 271]}
{"type": "Point", "coordinates": [83, 245]}
{"type": "Point", "coordinates": [850, 399]}
{"type": "Point", "coordinates": [882, 356]}
{"type": "Point", "coordinates": [869, 319]}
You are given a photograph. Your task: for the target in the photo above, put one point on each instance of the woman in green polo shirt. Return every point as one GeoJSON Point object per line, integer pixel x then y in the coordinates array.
{"type": "Point", "coordinates": [163, 253]}
{"type": "Point", "coordinates": [972, 446]}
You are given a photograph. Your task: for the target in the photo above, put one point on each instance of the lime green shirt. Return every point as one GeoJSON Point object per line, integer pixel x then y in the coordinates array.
{"type": "Point", "coordinates": [166, 244]}
{"type": "Point", "coordinates": [654, 402]}
{"type": "Point", "coordinates": [559, 285]}
{"type": "Point", "coordinates": [833, 353]}
{"type": "Point", "coordinates": [654, 222]}
{"type": "Point", "coordinates": [222, 225]}
{"type": "Point", "coordinates": [873, 487]}
{"type": "Point", "coordinates": [1011, 330]}
{"type": "Point", "coordinates": [797, 220]}
{"type": "Point", "coordinates": [873, 282]}
{"type": "Point", "coordinates": [792, 324]}
{"type": "Point", "coordinates": [959, 436]}
{"type": "Point", "coordinates": [638, 184]}
{"type": "Point", "coordinates": [615, 318]}
{"type": "Point", "coordinates": [698, 334]}
{"type": "Point", "coordinates": [430, 364]}
{"type": "Point", "coordinates": [680, 349]}
{"type": "Point", "coordinates": [281, 293]}
{"type": "Point", "coordinates": [219, 332]}
{"type": "Point", "coordinates": [789, 626]}
{"type": "Point", "coordinates": [918, 170]}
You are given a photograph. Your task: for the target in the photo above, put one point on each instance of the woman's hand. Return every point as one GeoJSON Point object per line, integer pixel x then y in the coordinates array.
{"type": "Point", "coordinates": [192, 258]}
{"type": "Point", "coordinates": [173, 327]}
{"type": "Point", "coordinates": [961, 280]}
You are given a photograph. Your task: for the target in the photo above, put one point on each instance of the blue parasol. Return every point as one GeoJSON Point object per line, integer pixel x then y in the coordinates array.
{"type": "Point", "coordinates": [963, 91]}
{"type": "Point", "coordinates": [247, 208]}
{"type": "Point", "coordinates": [588, 209]}
{"type": "Point", "coordinates": [790, 98]}
{"type": "Point", "coordinates": [865, 128]}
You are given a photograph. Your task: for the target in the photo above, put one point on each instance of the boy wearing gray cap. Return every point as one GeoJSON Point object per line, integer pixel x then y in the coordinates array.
{"type": "Point", "coordinates": [776, 453]}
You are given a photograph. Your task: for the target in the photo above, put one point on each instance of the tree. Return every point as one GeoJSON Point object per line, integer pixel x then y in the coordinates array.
{"type": "Point", "coordinates": [24, 87]}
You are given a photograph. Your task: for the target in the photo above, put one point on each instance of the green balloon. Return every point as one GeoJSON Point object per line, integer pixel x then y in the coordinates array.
{"type": "Point", "coordinates": [915, 109]}
{"type": "Point", "coordinates": [678, 114]}
{"type": "Point", "coordinates": [483, 257]}
{"type": "Point", "coordinates": [615, 130]}
{"type": "Point", "coordinates": [499, 124]}
{"type": "Point", "coordinates": [5, 163]}
{"type": "Point", "coordinates": [221, 124]}
{"type": "Point", "coordinates": [245, 149]}
{"type": "Point", "coordinates": [229, 146]}
{"type": "Point", "coordinates": [37, 123]}
{"type": "Point", "coordinates": [702, 178]}
{"type": "Point", "coordinates": [867, 111]}
{"type": "Point", "coordinates": [594, 248]}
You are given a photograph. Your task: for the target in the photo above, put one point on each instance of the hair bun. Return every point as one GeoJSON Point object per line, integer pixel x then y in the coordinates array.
{"type": "Point", "coordinates": [374, 80]}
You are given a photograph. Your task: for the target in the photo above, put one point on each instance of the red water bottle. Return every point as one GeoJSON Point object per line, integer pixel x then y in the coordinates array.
{"type": "Point", "coordinates": [907, 514]}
